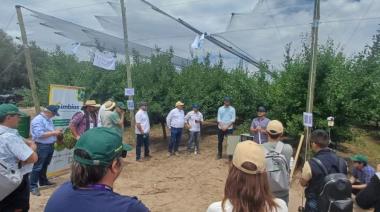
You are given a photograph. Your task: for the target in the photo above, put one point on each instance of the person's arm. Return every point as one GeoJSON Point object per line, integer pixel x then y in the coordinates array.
{"type": "Point", "coordinates": [138, 122]}
{"type": "Point", "coordinates": [367, 198]}
{"type": "Point", "coordinates": [169, 118]}
{"type": "Point", "coordinates": [39, 130]}
{"type": "Point", "coordinates": [219, 117]}
{"type": "Point", "coordinates": [253, 126]}
{"type": "Point", "coordinates": [73, 123]}
{"type": "Point", "coordinates": [187, 119]}
{"type": "Point", "coordinates": [233, 118]}
{"type": "Point", "coordinates": [121, 122]}
{"type": "Point", "coordinates": [22, 151]}
{"type": "Point", "coordinates": [359, 187]}
{"type": "Point", "coordinates": [306, 174]}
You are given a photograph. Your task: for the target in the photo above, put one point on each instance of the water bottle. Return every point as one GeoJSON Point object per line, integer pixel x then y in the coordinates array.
{"type": "Point", "coordinates": [292, 163]}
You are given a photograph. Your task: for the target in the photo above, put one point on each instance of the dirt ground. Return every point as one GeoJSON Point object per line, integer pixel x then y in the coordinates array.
{"type": "Point", "coordinates": [185, 183]}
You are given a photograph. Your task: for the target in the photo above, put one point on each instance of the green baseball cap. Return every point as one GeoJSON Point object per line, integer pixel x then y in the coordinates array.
{"type": "Point", "coordinates": [102, 144]}
{"type": "Point", "coordinates": [121, 105]}
{"type": "Point", "coordinates": [359, 158]}
{"type": "Point", "coordinates": [10, 109]}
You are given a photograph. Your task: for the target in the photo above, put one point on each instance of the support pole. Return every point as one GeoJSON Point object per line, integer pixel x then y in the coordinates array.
{"type": "Point", "coordinates": [28, 60]}
{"type": "Point", "coordinates": [127, 62]}
{"type": "Point", "coordinates": [313, 70]}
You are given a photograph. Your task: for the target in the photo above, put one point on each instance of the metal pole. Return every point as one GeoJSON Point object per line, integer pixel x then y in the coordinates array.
{"type": "Point", "coordinates": [313, 69]}
{"type": "Point", "coordinates": [28, 60]}
{"type": "Point", "coordinates": [127, 62]}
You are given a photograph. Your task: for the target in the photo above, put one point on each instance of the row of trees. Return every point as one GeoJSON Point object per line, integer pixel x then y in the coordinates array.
{"type": "Point", "coordinates": [346, 88]}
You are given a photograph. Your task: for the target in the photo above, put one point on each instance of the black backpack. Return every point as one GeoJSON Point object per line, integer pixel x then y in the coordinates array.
{"type": "Point", "coordinates": [335, 195]}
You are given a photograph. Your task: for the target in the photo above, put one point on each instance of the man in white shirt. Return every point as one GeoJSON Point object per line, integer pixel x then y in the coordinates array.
{"type": "Point", "coordinates": [142, 131]}
{"type": "Point", "coordinates": [226, 119]}
{"type": "Point", "coordinates": [175, 122]}
{"type": "Point", "coordinates": [193, 121]}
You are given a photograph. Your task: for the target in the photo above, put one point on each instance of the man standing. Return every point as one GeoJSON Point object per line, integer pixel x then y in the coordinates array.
{"type": "Point", "coordinates": [275, 131]}
{"type": "Point", "coordinates": [175, 122]}
{"type": "Point", "coordinates": [226, 119]}
{"type": "Point", "coordinates": [142, 131]}
{"type": "Point", "coordinates": [259, 125]}
{"type": "Point", "coordinates": [15, 152]}
{"type": "Point", "coordinates": [313, 175]}
{"type": "Point", "coordinates": [193, 120]}
{"type": "Point", "coordinates": [114, 117]}
{"type": "Point", "coordinates": [97, 163]}
{"type": "Point", "coordinates": [44, 134]}
{"type": "Point", "coordinates": [85, 119]}
{"type": "Point", "coordinates": [361, 173]}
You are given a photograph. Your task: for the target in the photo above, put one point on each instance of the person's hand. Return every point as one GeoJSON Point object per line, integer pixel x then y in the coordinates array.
{"type": "Point", "coordinates": [57, 132]}
{"type": "Point", "coordinates": [31, 144]}
{"type": "Point", "coordinates": [77, 137]}
{"type": "Point", "coordinates": [378, 167]}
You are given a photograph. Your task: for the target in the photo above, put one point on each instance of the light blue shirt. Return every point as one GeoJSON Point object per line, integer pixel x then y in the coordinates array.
{"type": "Point", "coordinates": [226, 116]}
{"type": "Point", "coordinates": [12, 147]}
{"type": "Point", "coordinates": [41, 125]}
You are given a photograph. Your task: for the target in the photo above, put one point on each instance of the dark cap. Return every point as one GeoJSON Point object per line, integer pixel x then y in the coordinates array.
{"type": "Point", "coordinates": [195, 106]}
{"type": "Point", "coordinates": [227, 99]}
{"type": "Point", "coordinates": [261, 109]}
{"type": "Point", "coordinates": [10, 109]}
{"type": "Point", "coordinates": [143, 103]}
{"type": "Point", "coordinates": [121, 105]}
{"type": "Point", "coordinates": [54, 109]}
{"type": "Point", "coordinates": [102, 144]}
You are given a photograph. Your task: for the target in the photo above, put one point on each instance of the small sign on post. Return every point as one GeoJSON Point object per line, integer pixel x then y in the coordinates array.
{"type": "Point", "coordinates": [308, 119]}
{"type": "Point", "coordinates": [130, 104]}
{"type": "Point", "coordinates": [129, 92]}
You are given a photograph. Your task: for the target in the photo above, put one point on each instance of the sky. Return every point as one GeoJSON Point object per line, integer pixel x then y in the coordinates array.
{"type": "Point", "coordinates": [260, 28]}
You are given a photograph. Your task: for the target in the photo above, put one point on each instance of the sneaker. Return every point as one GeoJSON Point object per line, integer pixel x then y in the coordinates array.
{"type": "Point", "coordinates": [218, 157]}
{"type": "Point", "coordinates": [138, 160]}
{"type": "Point", "coordinates": [195, 153]}
{"type": "Point", "coordinates": [169, 154]}
{"type": "Point", "coordinates": [176, 153]}
{"type": "Point", "coordinates": [148, 157]}
{"type": "Point", "coordinates": [35, 192]}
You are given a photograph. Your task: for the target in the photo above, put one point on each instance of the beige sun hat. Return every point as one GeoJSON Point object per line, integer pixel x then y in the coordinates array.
{"type": "Point", "coordinates": [91, 103]}
{"type": "Point", "coordinates": [109, 105]}
{"type": "Point", "coordinates": [249, 151]}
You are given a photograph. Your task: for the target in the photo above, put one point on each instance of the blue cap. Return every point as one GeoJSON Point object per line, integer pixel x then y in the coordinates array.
{"type": "Point", "coordinates": [54, 109]}
{"type": "Point", "coordinates": [195, 106]}
{"type": "Point", "coordinates": [227, 98]}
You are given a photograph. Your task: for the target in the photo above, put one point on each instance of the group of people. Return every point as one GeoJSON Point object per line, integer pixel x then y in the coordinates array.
{"type": "Point", "coordinates": [258, 179]}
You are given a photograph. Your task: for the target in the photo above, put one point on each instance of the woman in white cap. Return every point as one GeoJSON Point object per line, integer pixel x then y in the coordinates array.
{"type": "Point", "coordinates": [247, 187]}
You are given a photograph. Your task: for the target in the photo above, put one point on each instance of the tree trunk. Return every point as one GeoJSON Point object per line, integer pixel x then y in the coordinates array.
{"type": "Point", "coordinates": [163, 129]}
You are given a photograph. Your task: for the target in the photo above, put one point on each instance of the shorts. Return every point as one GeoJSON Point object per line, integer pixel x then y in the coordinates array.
{"type": "Point", "coordinates": [18, 199]}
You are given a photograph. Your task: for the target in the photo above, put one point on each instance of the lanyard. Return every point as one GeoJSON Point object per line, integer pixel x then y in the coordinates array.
{"type": "Point", "coordinates": [100, 187]}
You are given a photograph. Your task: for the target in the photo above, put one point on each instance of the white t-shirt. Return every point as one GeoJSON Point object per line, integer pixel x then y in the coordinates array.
{"type": "Point", "coordinates": [217, 206]}
{"type": "Point", "coordinates": [191, 117]}
{"type": "Point", "coordinates": [176, 118]}
{"type": "Point", "coordinates": [142, 118]}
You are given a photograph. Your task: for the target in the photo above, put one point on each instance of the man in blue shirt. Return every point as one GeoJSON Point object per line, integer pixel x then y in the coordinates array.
{"type": "Point", "coordinates": [226, 119]}
{"type": "Point", "coordinates": [97, 163]}
{"type": "Point", "coordinates": [361, 173]}
{"type": "Point", "coordinates": [44, 134]}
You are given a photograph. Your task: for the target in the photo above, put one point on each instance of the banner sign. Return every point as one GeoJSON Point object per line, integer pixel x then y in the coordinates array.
{"type": "Point", "coordinates": [130, 104]}
{"type": "Point", "coordinates": [70, 101]}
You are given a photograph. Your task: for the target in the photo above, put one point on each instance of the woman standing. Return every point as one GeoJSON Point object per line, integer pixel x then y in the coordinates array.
{"type": "Point", "coordinates": [247, 187]}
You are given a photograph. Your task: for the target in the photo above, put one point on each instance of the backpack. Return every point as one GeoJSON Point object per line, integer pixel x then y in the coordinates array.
{"type": "Point", "coordinates": [277, 169]}
{"type": "Point", "coordinates": [335, 195]}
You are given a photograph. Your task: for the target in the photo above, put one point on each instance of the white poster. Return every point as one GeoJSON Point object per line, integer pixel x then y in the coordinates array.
{"type": "Point", "coordinates": [104, 60]}
{"type": "Point", "coordinates": [129, 92]}
{"type": "Point", "coordinates": [70, 101]}
{"type": "Point", "coordinates": [308, 119]}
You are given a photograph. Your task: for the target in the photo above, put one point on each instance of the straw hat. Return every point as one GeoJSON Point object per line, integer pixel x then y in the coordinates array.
{"type": "Point", "coordinates": [109, 105]}
{"type": "Point", "coordinates": [91, 103]}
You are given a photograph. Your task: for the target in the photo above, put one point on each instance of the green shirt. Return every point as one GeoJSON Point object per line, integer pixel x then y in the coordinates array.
{"type": "Point", "coordinates": [112, 120]}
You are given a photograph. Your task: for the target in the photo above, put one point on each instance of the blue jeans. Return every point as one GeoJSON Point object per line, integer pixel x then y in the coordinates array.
{"type": "Point", "coordinates": [175, 139]}
{"type": "Point", "coordinates": [142, 140]}
{"type": "Point", "coordinates": [45, 154]}
{"type": "Point", "coordinates": [193, 141]}
{"type": "Point", "coordinates": [311, 205]}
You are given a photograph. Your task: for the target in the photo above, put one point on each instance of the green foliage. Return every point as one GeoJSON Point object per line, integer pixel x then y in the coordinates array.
{"type": "Point", "coordinates": [346, 88]}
